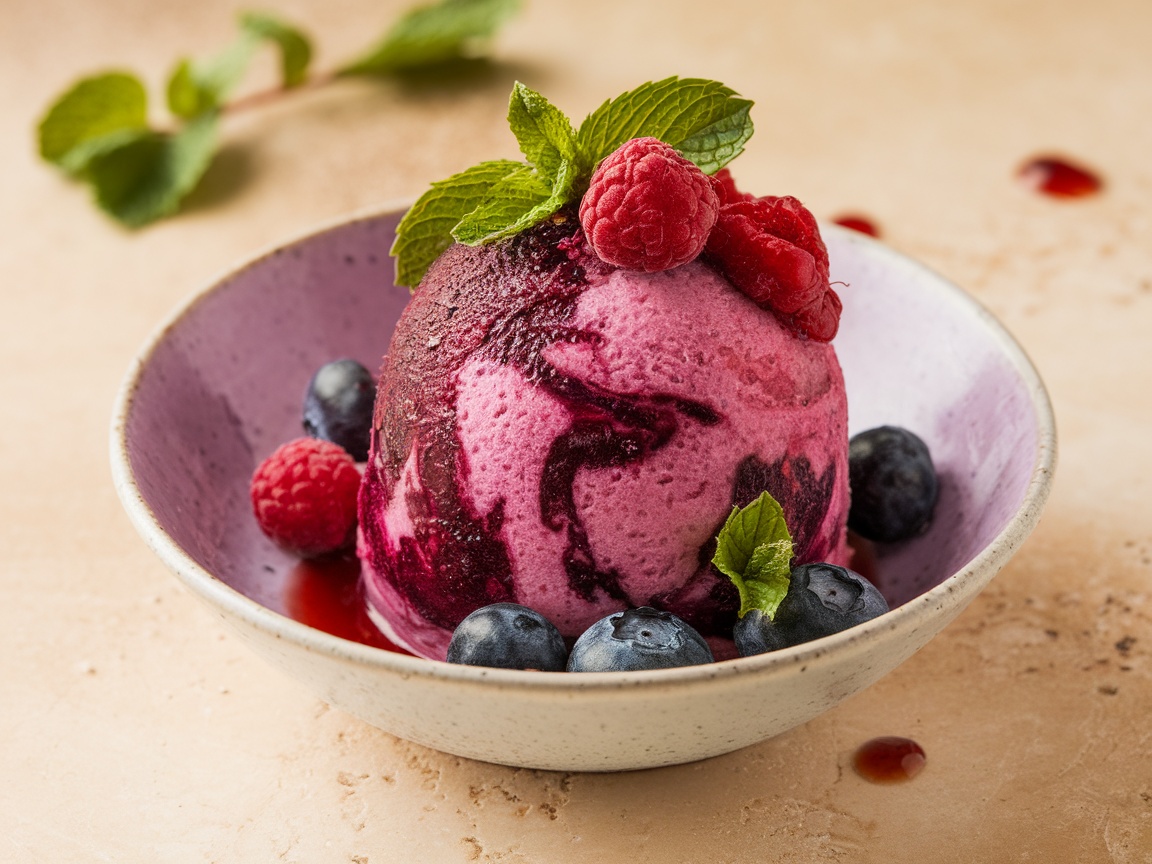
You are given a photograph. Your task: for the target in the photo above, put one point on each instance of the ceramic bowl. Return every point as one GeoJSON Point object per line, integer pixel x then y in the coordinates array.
{"type": "Point", "coordinates": [220, 386]}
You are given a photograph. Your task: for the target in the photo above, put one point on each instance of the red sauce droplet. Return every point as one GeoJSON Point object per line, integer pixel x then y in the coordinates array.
{"type": "Point", "coordinates": [858, 223]}
{"type": "Point", "coordinates": [889, 759]}
{"type": "Point", "coordinates": [1059, 178]}
{"type": "Point", "coordinates": [325, 594]}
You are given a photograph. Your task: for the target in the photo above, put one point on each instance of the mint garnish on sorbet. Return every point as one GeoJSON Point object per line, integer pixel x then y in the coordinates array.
{"type": "Point", "coordinates": [754, 550]}
{"type": "Point", "coordinates": [704, 120]}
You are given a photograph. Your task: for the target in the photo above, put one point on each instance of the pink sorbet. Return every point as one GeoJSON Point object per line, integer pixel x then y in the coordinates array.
{"type": "Point", "coordinates": [557, 432]}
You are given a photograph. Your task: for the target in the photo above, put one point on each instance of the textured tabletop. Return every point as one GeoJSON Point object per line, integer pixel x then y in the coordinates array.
{"type": "Point", "coordinates": [137, 727]}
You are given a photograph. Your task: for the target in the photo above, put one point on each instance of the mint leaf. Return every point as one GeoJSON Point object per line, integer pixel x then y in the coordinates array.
{"type": "Point", "coordinates": [754, 550]}
{"type": "Point", "coordinates": [426, 229]}
{"type": "Point", "coordinates": [704, 120]}
{"type": "Point", "coordinates": [515, 204]}
{"type": "Point", "coordinates": [112, 104]}
{"type": "Point", "coordinates": [295, 48]}
{"type": "Point", "coordinates": [767, 576]}
{"type": "Point", "coordinates": [81, 156]}
{"type": "Point", "coordinates": [428, 35]}
{"type": "Point", "coordinates": [507, 204]}
{"type": "Point", "coordinates": [545, 134]}
{"type": "Point", "coordinates": [199, 86]}
{"type": "Point", "coordinates": [717, 144]}
{"type": "Point", "coordinates": [185, 95]}
{"type": "Point", "coordinates": [147, 176]}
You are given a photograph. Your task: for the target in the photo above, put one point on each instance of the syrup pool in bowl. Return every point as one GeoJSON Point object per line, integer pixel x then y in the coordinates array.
{"type": "Point", "coordinates": [219, 387]}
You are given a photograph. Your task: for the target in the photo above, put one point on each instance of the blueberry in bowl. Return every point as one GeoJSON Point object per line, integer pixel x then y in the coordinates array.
{"type": "Point", "coordinates": [822, 599]}
{"type": "Point", "coordinates": [636, 640]}
{"type": "Point", "coordinates": [508, 636]}
{"type": "Point", "coordinates": [894, 484]}
{"type": "Point", "coordinates": [338, 406]}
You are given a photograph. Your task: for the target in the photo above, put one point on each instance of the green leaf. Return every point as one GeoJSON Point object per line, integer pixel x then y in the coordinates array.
{"type": "Point", "coordinates": [514, 204]}
{"type": "Point", "coordinates": [199, 86]}
{"type": "Point", "coordinates": [295, 47]}
{"type": "Point", "coordinates": [110, 104]}
{"type": "Point", "coordinates": [147, 176]}
{"type": "Point", "coordinates": [77, 160]}
{"type": "Point", "coordinates": [545, 134]}
{"type": "Point", "coordinates": [429, 35]}
{"type": "Point", "coordinates": [185, 96]}
{"type": "Point", "coordinates": [426, 229]}
{"type": "Point", "coordinates": [715, 145]}
{"type": "Point", "coordinates": [767, 576]}
{"type": "Point", "coordinates": [704, 120]}
{"type": "Point", "coordinates": [754, 550]}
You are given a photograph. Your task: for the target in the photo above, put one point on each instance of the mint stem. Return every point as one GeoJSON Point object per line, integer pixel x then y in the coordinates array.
{"type": "Point", "coordinates": [271, 95]}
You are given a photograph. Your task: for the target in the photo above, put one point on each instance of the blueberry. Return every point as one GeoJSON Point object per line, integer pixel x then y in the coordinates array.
{"type": "Point", "coordinates": [338, 406]}
{"type": "Point", "coordinates": [822, 599]}
{"type": "Point", "coordinates": [508, 636]}
{"type": "Point", "coordinates": [638, 639]}
{"type": "Point", "coordinates": [893, 482]}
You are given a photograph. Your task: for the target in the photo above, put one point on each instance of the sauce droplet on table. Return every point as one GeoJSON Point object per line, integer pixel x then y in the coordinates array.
{"type": "Point", "coordinates": [889, 759]}
{"type": "Point", "coordinates": [1059, 178]}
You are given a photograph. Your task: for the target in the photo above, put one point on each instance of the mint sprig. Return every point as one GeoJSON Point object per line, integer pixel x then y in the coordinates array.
{"type": "Point", "coordinates": [98, 131]}
{"type": "Point", "coordinates": [704, 120]}
{"type": "Point", "coordinates": [754, 550]}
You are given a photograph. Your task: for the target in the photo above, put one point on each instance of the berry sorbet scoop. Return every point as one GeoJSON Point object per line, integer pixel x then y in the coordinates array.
{"type": "Point", "coordinates": [573, 403]}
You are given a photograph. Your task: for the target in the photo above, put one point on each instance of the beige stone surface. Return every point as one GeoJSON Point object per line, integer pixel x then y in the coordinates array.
{"type": "Point", "coordinates": [135, 727]}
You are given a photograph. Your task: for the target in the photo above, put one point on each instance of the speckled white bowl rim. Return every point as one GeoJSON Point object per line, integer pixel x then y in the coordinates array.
{"type": "Point", "coordinates": [909, 615]}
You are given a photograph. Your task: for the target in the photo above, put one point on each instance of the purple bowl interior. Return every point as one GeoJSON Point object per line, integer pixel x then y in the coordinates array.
{"type": "Point", "coordinates": [919, 353]}
{"type": "Point", "coordinates": [223, 387]}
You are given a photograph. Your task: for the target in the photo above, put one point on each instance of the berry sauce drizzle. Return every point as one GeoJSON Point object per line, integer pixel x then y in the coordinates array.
{"type": "Point", "coordinates": [325, 594]}
{"type": "Point", "coordinates": [1059, 178]}
{"type": "Point", "coordinates": [889, 759]}
{"type": "Point", "coordinates": [858, 223]}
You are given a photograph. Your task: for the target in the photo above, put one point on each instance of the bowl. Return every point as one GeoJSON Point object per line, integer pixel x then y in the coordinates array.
{"type": "Point", "coordinates": [219, 387]}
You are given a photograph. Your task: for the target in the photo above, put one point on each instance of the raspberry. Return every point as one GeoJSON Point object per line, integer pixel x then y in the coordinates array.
{"type": "Point", "coordinates": [770, 248]}
{"type": "Point", "coordinates": [304, 497]}
{"type": "Point", "coordinates": [648, 208]}
{"type": "Point", "coordinates": [820, 319]}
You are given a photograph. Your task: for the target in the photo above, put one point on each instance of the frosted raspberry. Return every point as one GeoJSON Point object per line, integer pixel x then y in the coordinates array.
{"type": "Point", "coordinates": [770, 248]}
{"type": "Point", "coordinates": [304, 496]}
{"type": "Point", "coordinates": [820, 319]}
{"type": "Point", "coordinates": [648, 208]}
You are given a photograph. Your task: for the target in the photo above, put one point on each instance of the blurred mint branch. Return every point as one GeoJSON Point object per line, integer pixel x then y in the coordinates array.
{"type": "Point", "coordinates": [98, 132]}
